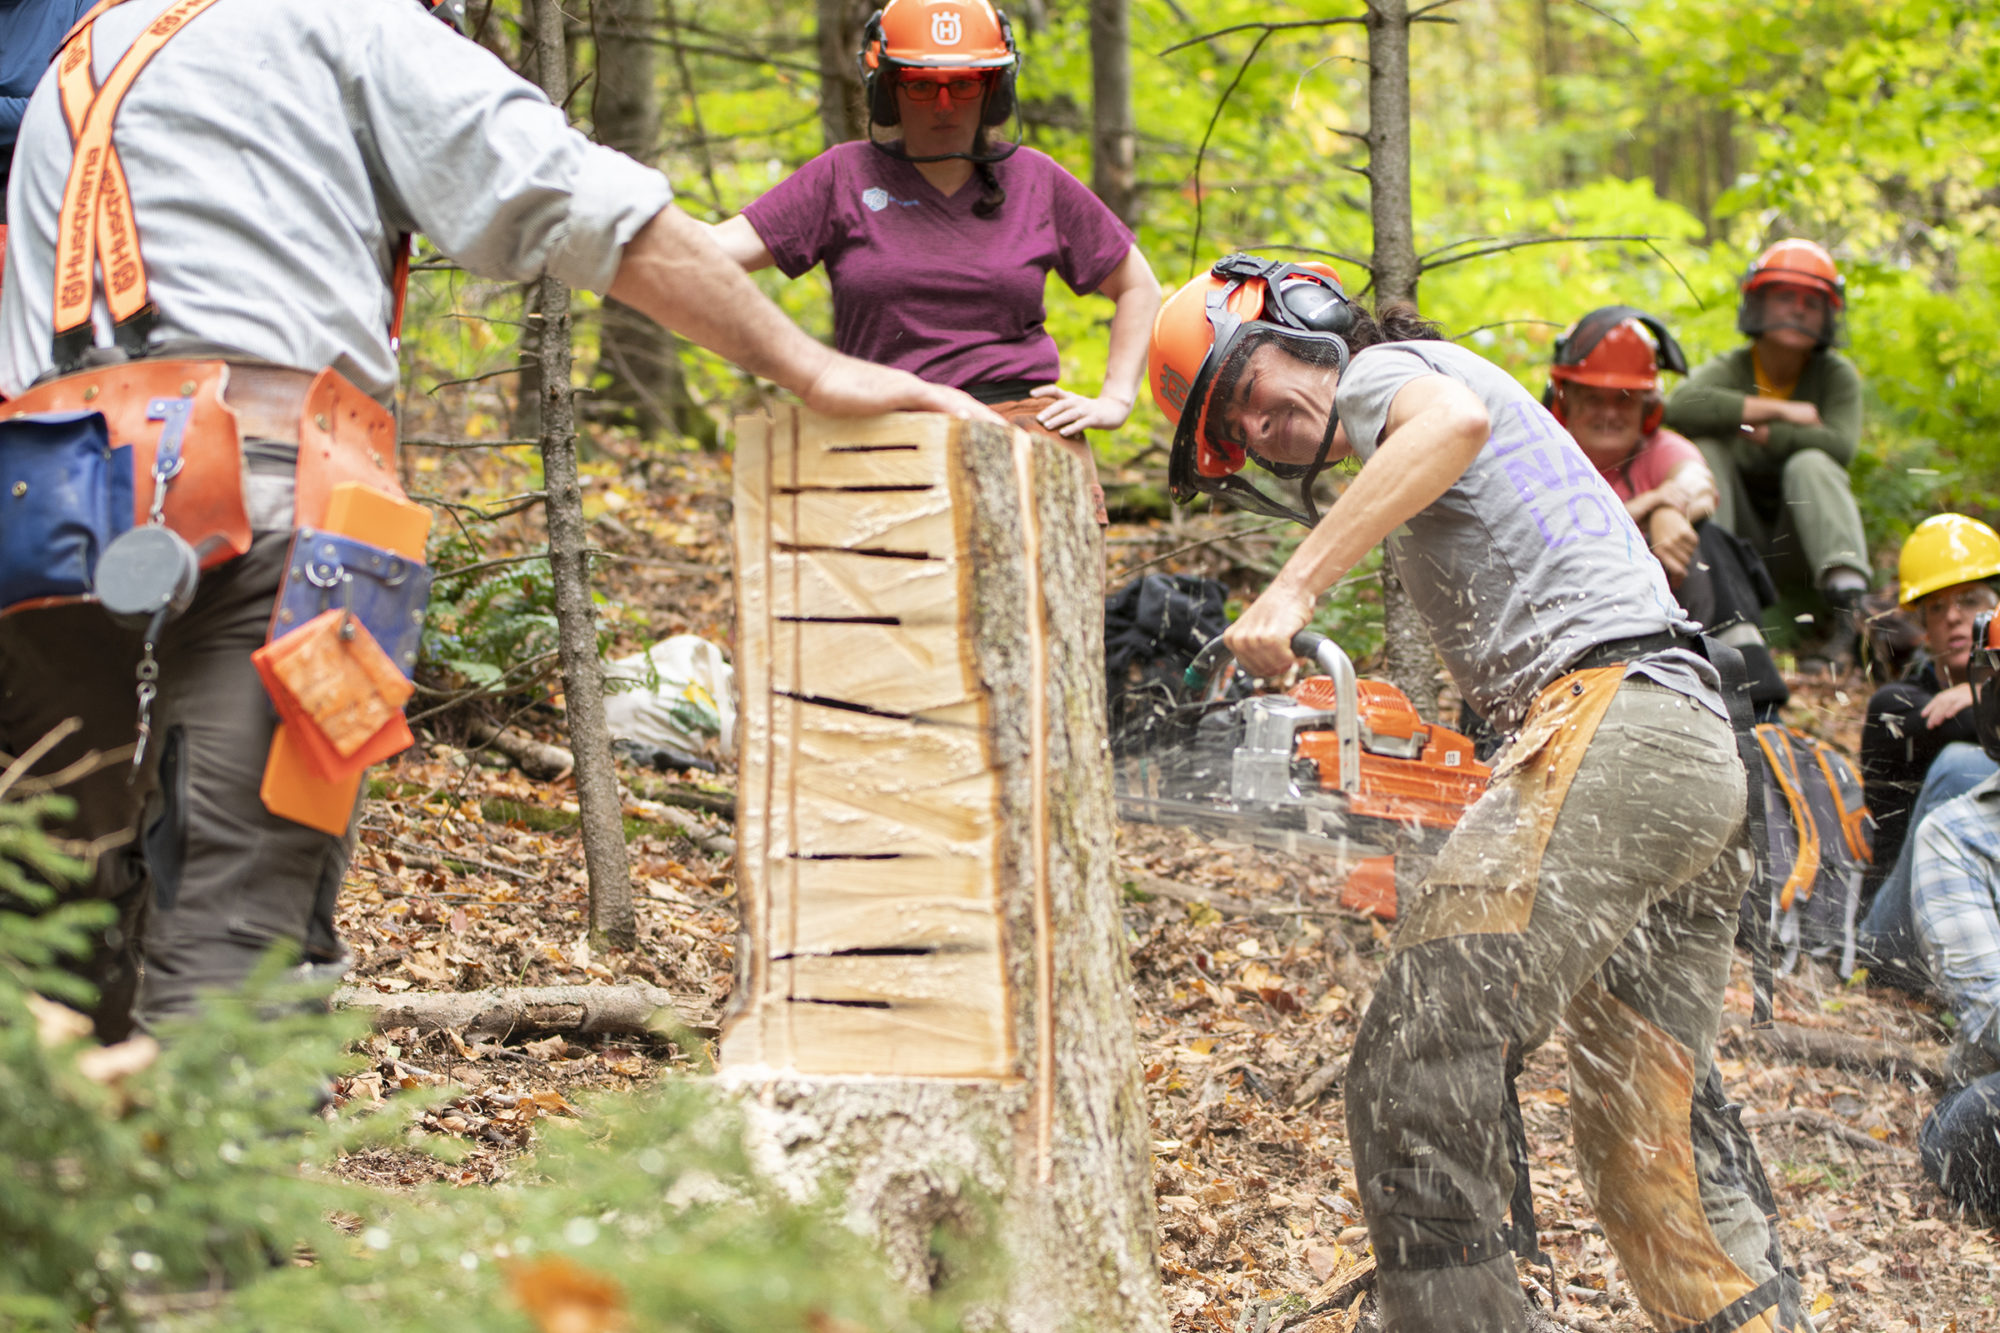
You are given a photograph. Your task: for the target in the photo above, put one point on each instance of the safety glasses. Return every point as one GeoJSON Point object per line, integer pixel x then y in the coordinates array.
{"type": "Point", "coordinates": [919, 88]}
{"type": "Point", "coordinates": [1970, 600]}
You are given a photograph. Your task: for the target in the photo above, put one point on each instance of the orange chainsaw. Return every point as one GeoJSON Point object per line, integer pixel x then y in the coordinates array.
{"type": "Point", "coordinates": [1334, 765]}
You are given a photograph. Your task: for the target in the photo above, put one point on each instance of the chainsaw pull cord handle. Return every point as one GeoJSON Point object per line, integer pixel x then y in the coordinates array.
{"type": "Point", "coordinates": [1203, 673]}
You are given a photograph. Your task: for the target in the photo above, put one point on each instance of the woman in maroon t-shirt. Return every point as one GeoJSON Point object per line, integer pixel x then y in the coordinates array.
{"type": "Point", "coordinates": [934, 276]}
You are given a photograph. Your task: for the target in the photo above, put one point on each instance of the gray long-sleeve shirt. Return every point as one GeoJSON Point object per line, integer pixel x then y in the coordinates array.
{"type": "Point", "coordinates": [275, 150]}
{"type": "Point", "coordinates": [1710, 406]}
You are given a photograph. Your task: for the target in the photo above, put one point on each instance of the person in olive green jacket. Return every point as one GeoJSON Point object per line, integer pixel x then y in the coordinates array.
{"type": "Point", "coordinates": [1778, 421]}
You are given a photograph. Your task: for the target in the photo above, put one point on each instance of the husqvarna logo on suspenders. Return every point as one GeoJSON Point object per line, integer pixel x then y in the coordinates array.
{"type": "Point", "coordinates": [946, 29]}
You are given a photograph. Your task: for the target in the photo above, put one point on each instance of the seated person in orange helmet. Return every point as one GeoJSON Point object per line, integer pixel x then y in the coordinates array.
{"type": "Point", "coordinates": [940, 278]}
{"type": "Point", "coordinates": [1595, 882]}
{"type": "Point", "coordinates": [1604, 387]}
{"type": "Point", "coordinates": [1779, 420]}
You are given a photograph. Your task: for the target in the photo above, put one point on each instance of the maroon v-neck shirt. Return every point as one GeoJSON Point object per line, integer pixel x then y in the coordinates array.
{"type": "Point", "coordinates": [922, 283]}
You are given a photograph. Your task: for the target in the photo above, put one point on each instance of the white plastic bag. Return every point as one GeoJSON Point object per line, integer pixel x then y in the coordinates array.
{"type": "Point", "coordinates": [680, 692]}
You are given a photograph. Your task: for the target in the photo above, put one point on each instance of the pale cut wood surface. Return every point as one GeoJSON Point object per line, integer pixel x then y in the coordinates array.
{"type": "Point", "coordinates": [933, 1049]}
{"type": "Point", "coordinates": [868, 881]}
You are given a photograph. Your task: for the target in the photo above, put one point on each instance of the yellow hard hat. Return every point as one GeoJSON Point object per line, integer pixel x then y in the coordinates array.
{"type": "Point", "coordinates": [1947, 549]}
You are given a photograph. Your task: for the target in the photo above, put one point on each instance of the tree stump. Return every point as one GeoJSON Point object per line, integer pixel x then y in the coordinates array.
{"type": "Point", "coordinates": [933, 1019]}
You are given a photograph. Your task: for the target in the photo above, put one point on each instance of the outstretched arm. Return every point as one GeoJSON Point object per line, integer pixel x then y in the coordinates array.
{"type": "Point", "coordinates": [674, 272]}
{"type": "Point", "coordinates": [740, 241]}
{"type": "Point", "coordinates": [1435, 429]}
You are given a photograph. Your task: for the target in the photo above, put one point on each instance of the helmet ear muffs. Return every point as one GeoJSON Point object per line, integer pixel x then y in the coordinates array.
{"type": "Point", "coordinates": [999, 107]}
{"type": "Point", "coordinates": [878, 84]}
{"type": "Point", "coordinates": [1552, 399]}
{"type": "Point", "coordinates": [1655, 413]}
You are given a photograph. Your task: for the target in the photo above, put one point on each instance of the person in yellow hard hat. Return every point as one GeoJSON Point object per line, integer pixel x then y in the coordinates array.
{"type": "Point", "coordinates": [1778, 420]}
{"type": "Point", "coordinates": [1918, 745]}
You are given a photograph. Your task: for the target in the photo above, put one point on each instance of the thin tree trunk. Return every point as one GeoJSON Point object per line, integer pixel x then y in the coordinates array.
{"type": "Point", "coordinates": [612, 923]}
{"type": "Point", "coordinates": [1409, 659]}
{"type": "Point", "coordinates": [1112, 136]}
{"type": "Point", "coordinates": [841, 115]}
{"type": "Point", "coordinates": [638, 362]}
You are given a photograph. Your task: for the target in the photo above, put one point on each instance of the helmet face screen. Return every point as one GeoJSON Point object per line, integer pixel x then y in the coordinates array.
{"type": "Point", "coordinates": [1785, 305]}
{"type": "Point", "coordinates": [1272, 400]}
{"type": "Point", "coordinates": [1266, 398]}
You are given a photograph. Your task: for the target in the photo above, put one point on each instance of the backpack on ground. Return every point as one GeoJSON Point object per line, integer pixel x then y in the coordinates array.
{"type": "Point", "coordinates": [1818, 837]}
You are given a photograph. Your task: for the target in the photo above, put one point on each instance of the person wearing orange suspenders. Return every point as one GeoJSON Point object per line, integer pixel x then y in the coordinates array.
{"type": "Point", "coordinates": [207, 204]}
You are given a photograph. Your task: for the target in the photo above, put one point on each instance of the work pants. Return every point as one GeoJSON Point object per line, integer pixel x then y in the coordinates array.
{"type": "Point", "coordinates": [229, 880]}
{"type": "Point", "coordinates": [71, 663]}
{"type": "Point", "coordinates": [1886, 936]}
{"type": "Point", "coordinates": [1799, 514]}
{"type": "Point", "coordinates": [1596, 882]}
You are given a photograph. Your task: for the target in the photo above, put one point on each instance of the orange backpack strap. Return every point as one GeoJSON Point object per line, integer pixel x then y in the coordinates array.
{"type": "Point", "coordinates": [1782, 760]}
{"type": "Point", "coordinates": [1849, 798]}
{"type": "Point", "coordinates": [96, 223]}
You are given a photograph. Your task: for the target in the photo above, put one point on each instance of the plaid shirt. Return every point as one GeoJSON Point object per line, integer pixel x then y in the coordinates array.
{"type": "Point", "coordinates": [1955, 897]}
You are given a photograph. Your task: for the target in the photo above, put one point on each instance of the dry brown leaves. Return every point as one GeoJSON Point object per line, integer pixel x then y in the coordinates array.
{"type": "Point", "coordinates": [1249, 980]}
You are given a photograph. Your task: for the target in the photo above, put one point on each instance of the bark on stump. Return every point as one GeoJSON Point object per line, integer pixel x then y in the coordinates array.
{"type": "Point", "coordinates": [934, 1016]}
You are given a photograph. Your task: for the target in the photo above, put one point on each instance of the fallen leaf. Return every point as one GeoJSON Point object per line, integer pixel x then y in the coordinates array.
{"type": "Point", "coordinates": [565, 1297]}
{"type": "Point", "coordinates": [1324, 1260]}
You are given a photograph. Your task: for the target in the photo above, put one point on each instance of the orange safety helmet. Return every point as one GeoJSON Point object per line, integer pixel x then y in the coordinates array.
{"type": "Point", "coordinates": [1217, 320]}
{"type": "Point", "coordinates": [1796, 262]}
{"type": "Point", "coordinates": [1615, 347]}
{"type": "Point", "coordinates": [944, 35]}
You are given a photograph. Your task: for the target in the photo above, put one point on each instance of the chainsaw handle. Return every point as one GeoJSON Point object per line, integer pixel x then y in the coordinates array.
{"type": "Point", "coordinates": [1329, 657]}
{"type": "Point", "coordinates": [1306, 643]}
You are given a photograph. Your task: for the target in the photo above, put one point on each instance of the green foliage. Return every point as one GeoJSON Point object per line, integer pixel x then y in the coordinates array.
{"type": "Point", "coordinates": [181, 1176]}
{"type": "Point", "coordinates": [202, 1171]}
{"type": "Point", "coordinates": [653, 1194]}
{"type": "Point", "coordinates": [488, 627]}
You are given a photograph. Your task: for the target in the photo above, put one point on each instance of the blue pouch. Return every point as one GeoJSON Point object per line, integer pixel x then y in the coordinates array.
{"type": "Point", "coordinates": [384, 591]}
{"type": "Point", "coordinates": [64, 494]}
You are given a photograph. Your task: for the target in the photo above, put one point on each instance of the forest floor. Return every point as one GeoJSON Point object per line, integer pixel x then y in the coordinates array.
{"type": "Point", "coordinates": [1250, 980]}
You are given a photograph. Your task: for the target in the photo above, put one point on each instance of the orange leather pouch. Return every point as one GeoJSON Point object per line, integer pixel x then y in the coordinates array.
{"type": "Point", "coordinates": [338, 692]}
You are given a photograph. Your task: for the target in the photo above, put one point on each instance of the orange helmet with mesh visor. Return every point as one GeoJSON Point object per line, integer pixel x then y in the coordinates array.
{"type": "Point", "coordinates": [1202, 337]}
{"type": "Point", "coordinates": [943, 36]}
{"type": "Point", "coordinates": [1800, 264]}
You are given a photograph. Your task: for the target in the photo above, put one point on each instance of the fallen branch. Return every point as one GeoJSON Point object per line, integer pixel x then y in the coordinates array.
{"type": "Point", "coordinates": [1317, 1083]}
{"type": "Point", "coordinates": [587, 1011]}
{"type": "Point", "coordinates": [536, 759]}
{"type": "Point", "coordinates": [1836, 1050]}
{"type": "Point", "coordinates": [437, 858]}
{"type": "Point", "coordinates": [1822, 1122]}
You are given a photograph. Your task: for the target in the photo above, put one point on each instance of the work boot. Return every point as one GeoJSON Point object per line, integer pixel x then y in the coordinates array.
{"type": "Point", "coordinates": [1843, 590]}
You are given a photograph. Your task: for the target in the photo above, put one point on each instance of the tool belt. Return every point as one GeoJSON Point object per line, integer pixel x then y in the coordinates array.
{"type": "Point", "coordinates": [78, 455]}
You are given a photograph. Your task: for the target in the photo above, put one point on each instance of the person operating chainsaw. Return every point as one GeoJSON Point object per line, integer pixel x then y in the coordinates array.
{"type": "Point", "coordinates": [1596, 881]}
